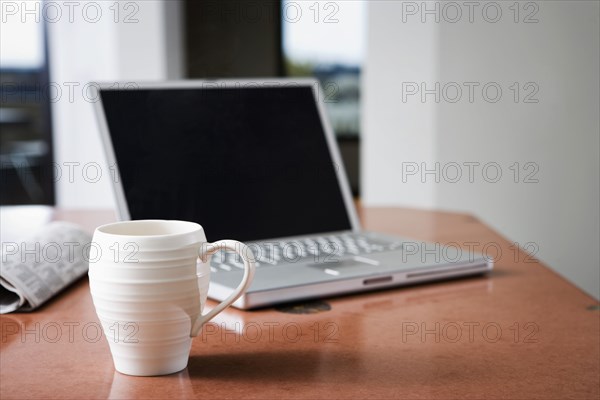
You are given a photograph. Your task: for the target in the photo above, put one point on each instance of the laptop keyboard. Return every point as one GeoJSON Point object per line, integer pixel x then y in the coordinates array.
{"type": "Point", "coordinates": [319, 249]}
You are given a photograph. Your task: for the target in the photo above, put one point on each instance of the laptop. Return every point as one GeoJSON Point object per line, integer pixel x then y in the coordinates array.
{"type": "Point", "coordinates": [257, 161]}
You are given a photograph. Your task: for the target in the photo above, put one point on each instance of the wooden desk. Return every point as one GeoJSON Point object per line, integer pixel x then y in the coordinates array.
{"type": "Point", "coordinates": [522, 332]}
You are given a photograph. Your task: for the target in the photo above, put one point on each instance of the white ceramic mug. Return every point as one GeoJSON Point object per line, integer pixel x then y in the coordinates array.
{"type": "Point", "coordinates": [149, 290]}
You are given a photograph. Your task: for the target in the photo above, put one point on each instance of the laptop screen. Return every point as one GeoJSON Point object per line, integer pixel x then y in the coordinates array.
{"type": "Point", "coordinates": [245, 163]}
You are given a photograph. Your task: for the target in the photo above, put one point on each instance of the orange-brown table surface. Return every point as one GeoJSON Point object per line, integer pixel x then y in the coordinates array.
{"type": "Point", "coordinates": [522, 332]}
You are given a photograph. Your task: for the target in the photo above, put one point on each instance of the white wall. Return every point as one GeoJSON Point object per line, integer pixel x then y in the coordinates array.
{"type": "Point", "coordinates": [394, 131]}
{"type": "Point", "coordinates": [144, 44]}
{"type": "Point", "coordinates": [559, 135]}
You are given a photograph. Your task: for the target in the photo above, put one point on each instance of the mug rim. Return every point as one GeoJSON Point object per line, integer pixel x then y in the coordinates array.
{"type": "Point", "coordinates": [191, 227]}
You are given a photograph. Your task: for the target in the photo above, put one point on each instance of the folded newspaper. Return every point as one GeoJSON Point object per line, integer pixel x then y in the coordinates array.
{"type": "Point", "coordinates": [35, 269]}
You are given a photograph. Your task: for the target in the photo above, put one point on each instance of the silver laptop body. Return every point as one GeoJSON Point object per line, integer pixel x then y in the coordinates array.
{"type": "Point", "coordinates": [141, 121]}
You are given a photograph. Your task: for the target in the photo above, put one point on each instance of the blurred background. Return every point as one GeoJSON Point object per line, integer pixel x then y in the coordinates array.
{"type": "Point", "coordinates": [487, 108]}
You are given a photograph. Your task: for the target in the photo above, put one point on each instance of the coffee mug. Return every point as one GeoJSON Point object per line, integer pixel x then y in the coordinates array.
{"type": "Point", "coordinates": [149, 290]}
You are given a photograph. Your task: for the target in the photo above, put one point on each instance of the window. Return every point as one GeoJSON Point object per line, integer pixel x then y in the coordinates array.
{"type": "Point", "coordinates": [326, 40]}
{"type": "Point", "coordinates": [25, 132]}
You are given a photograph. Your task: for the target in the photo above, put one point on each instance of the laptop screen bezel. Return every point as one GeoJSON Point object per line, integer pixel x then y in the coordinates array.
{"type": "Point", "coordinates": [319, 96]}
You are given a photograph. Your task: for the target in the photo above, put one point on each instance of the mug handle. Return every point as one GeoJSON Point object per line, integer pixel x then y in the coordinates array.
{"type": "Point", "coordinates": [249, 269]}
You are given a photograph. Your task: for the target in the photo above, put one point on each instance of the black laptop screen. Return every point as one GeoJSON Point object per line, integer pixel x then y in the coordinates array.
{"type": "Point", "coordinates": [245, 163]}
